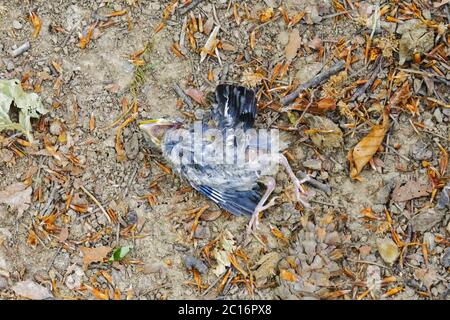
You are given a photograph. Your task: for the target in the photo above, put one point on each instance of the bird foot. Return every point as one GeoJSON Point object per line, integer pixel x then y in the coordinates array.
{"type": "Point", "coordinates": [301, 194]}
{"type": "Point", "coordinates": [254, 221]}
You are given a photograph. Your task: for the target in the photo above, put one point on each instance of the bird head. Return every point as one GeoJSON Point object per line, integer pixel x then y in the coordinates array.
{"type": "Point", "coordinates": [155, 129]}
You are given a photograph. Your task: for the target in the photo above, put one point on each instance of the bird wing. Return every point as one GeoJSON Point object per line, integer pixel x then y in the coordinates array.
{"type": "Point", "coordinates": [236, 202]}
{"type": "Point", "coordinates": [234, 105]}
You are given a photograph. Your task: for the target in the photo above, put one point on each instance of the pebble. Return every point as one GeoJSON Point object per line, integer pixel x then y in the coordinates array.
{"type": "Point", "coordinates": [313, 164]}
{"type": "Point", "coordinates": [16, 25]}
{"type": "Point", "coordinates": [438, 115]}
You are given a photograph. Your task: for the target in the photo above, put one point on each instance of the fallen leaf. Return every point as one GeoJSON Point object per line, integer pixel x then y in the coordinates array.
{"type": "Point", "coordinates": [266, 14]}
{"type": "Point", "coordinates": [196, 95]}
{"type": "Point", "coordinates": [37, 24]}
{"type": "Point", "coordinates": [388, 250]}
{"type": "Point", "coordinates": [327, 104]}
{"type": "Point", "coordinates": [293, 45]}
{"type": "Point", "coordinates": [210, 44]}
{"type": "Point", "coordinates": [91, 255]}
{"type": "Point", "coordinates": [288, 276]}
{"type": "Point", "coordinates": [267, 265]}
{"type": "Point", "coordinates": [411, 190]}
{"type": "Point", "coordinates": [18, 196]}
{"type": "Point", "coordinates": [367, 147]}
{"type": "Point", "coordinates": [120, 253]}
{"type": "Point", "coordinates": [31, 290]}
{"type": "Point", "coordinates": [251, 79]}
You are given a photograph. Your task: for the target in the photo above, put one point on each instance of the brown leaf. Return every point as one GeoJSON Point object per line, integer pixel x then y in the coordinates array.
{"type": "Point", "coordinates": [196, 95]}
{"type": "Point", "coordinates": [37, 24]}
{"type": "Point", "coordinates": [266, 14]}
{"type": "Point", "coordinates": [327, 104]}
{"type": "Point", "coordinates": [251, 79]}
{"type": "Point", "coordinates": [288, 276]}
{"type": "Point", "coordinates": [18, 196]}
{"type": "Point", "coordinates": [293, 45]}
{"type": "Point", "coordinates": [367, 147]}
{"type": "Point", "coordinates": [411, 190]}
{"type": "Point", "coordinates": [91, 255]}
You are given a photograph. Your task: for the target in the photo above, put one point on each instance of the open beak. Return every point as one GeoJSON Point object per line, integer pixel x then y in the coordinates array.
{"type": "Point", "coordinates": [155, 129]}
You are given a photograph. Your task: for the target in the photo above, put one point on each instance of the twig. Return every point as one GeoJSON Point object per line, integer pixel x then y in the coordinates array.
{"type": "Point", "coordinates": [368, 262]}
{"type": "Point", "coordinates": [20, 50]}
{"type": "Point", "coordinates": [48, 206]}
{"type": "Point", "coordinates": [183, 95]}
{"type": "Point", "coordinates": [327, 203]}
{"type": "Point", "coordinates": [396, 152]}
{"type": "Point", "coordinates": [189, 7]}
{"type": "Point", "coordinates": [90, 195]}
{"type": "Point", "coordinates": [211, 286]}
{"type": "Point", "coordinates": [375, 72]}
{"type": "Point", "coordinates": [321, 77]}
{"type": "Point", "coordinates": [314, 183]}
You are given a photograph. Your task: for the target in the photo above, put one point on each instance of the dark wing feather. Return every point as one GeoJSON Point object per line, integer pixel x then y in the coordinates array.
{"type": "Point", "coordinates": [234, 105]}
{"type": "Point", "coordinates": [236, 202]}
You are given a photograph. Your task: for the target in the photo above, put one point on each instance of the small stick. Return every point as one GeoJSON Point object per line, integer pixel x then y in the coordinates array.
{"type": "Point", "coordinates": [189, 7]}
{"type": "Point", "coordinates": [321, 77]}
{"type": "Point", "coordinates": [397, 153]}
{"type": "Point", "coordinates": [369, 82]}
{"type": "Point", "coordinates": [20, 50]}
{"type": "Point", "coordinates": [314, 183]}
{"type": "Point", "coordinates": [327, 203]}
{"type": "Point", "coordinates": [183, 95]}
{"type": "Point", "coordinates": [96, 202]}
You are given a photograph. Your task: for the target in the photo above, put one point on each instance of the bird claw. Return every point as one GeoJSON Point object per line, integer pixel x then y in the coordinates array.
{"type": "Point", "coordinates": [300, 192]}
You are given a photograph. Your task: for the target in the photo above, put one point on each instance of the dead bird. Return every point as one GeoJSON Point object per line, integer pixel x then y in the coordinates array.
{"type": "Point", "coordinates": [224, 157]}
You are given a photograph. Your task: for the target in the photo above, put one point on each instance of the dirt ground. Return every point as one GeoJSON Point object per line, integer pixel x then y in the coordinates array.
{"type": "Point", "coordinates": [92, 185]}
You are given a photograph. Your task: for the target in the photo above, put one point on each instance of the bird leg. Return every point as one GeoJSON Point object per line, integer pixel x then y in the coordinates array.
{"type": "Point", "coordinates": [300, 192]}
{"type": "Point", "coordinates": [270, 183]}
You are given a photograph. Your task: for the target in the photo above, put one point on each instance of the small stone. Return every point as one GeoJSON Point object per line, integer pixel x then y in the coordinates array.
{"type": "Point", "coordinates": [56, 128]}
{"type": "Point", "coordinates": [132, 147]}
{"type": "Point", "coordinates": [446, 259]}
{"type": "Point", "coordinates": [310, 248]}
{"type": "Point", "coordinates": [313, 164]}
{"type": "Point", "coordinates": [428, 238]}
{"type": "Point", "coordinates": [438, 115]}
{"type": "Point", "coordinates": [283, 38]}
{"type": "Point", "coordinates": [388, 250]}
{"type": "Point", "coordinates": [3, 283]}
{"type": "Point", "coordinates": [9, 65]}
{"type": "Point", "coordinates": [192, 262]}
{"type": "Point", "coordinates": [426, 220]}
{"type": "Point", "coordinates": [16, 25]}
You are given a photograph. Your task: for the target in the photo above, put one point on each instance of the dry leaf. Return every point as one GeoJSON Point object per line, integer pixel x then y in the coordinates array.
{"type": "Point", "coordinates": [18, 196]}
{"type": "Point", "coordinates": [251, 79]}
{"type": "Point", "coordinates": [293, 45]}
{"type": "Point", "coordinates": [411, 190]}
{"type": "Point", "coordinates": [288, 276]}
{"type": "Point", "coordinates": [210, 44]}
{"type": "Point", "coordinates": [91, 255]}
{"type": "Point", "coordinates": [266, 14]}
{"type": "Point", "coordinates": [36, 24]}
{"type": "Point", "coordinates": [31, 290]}
{"type": "Point", "coordinates": [196, 95]}
{"type": "Point", "coordinates": [367, 147]}
{"type": "Point", "coordinates": [327, 104]}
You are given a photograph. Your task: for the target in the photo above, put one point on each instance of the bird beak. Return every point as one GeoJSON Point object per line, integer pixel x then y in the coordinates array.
{"type": "Point", "coordinates": [155, 129]}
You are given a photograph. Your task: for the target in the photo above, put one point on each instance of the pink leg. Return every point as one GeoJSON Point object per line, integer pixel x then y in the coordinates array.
{"type": "Point", "coordinates": [270, 186]}
{"type": "Point", "coordinates": [300, 192]}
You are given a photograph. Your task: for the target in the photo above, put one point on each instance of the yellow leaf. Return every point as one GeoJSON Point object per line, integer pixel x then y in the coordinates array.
{"type": "Point", "coordinates": [367, 147]}
{"type": "Point", "coordinates": [37, 24]}
{"type": "Point", "coordinates": [288, 276]}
